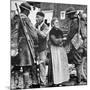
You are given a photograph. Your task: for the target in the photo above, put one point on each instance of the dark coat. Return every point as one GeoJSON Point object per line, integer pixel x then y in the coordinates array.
{"type": "Point", "coordinates": [73, 56]}
{"type": "Point", "coordinates": [25, 56]}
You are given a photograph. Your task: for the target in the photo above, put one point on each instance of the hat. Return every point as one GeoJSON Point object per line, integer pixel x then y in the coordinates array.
{"type": "Point", "coordinates": [40, 14]}
{"type": "Point", "coordinates": [25, 6]}
{"type": "Point", "coordinates": [70, 10]}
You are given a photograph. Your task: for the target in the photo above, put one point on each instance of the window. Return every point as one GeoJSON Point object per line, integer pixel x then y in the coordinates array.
{"type": "Point", "coordinates": [62, 15]}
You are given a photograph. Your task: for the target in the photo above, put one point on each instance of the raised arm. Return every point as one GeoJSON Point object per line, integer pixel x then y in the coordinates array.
{"type": "Point", "coordinates": [44, 32]}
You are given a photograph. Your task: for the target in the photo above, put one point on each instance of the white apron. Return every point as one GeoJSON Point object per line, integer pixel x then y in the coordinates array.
{"type": "Point", "coordinates": [59, 64]}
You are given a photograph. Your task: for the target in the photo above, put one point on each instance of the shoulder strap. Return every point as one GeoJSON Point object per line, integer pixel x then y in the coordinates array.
{"type": "Point", "coordinates": [79, 25]}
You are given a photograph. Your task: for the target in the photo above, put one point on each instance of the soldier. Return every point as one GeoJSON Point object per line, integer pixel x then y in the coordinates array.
{"type": "Point", "coordinates": [26, 38]}
{"type": "Point", "coordinates": [42, 32]}
{"type": "Point", "coordinates": [74, 41]}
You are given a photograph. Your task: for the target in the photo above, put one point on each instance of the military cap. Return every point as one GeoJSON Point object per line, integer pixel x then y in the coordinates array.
{"type": "Point", "coordinates": [70, 10]}
{"type": "Point", "coordinates": [25, 6]}
{"type": "Point", "coordinates": [40, 14]}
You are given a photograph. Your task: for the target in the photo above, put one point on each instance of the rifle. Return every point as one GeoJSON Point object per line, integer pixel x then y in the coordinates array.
{"type": "Point", "coordinates": [28, 39]}
{"type": "Point", "coordinates": [29, 42]}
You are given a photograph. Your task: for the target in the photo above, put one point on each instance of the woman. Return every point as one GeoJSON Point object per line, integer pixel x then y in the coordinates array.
{"type": "Point", "coordinates": [58, 65]}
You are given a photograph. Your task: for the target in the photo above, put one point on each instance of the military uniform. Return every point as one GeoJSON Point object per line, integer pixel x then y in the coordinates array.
{"type": "Point", "coordinates": [42, 46]}
{"type": "Point", "coordinates": [26, 57]}
{"type": "Point", "coordinates": [74, 56]}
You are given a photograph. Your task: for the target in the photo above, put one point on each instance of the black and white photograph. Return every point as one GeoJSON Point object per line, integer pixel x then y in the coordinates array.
{"type": "Point", "coordinates": [48, 44]}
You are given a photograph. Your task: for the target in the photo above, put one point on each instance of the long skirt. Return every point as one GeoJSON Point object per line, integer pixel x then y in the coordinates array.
{"type": "Point", "coordinates": [60, 71]}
